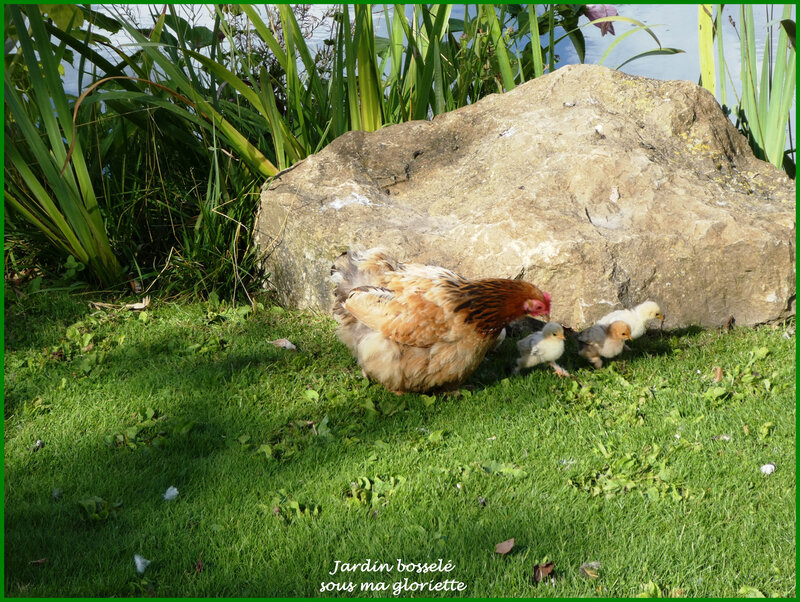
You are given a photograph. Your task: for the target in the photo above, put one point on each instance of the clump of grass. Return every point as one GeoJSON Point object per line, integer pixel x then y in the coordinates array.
{"type": "Point", "coordinates": [289, 460]}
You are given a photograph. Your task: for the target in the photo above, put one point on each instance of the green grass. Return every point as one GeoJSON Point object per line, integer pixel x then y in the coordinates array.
{"type": "Point", "coordinates": [508, 457]}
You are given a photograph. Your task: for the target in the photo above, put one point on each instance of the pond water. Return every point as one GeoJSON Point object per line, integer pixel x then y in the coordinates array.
{"type": "Point", "coordinates": [675, 25]}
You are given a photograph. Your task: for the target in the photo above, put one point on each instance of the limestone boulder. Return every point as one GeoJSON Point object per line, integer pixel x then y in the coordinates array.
{"type": "Point", "coordinates": [601, 188]}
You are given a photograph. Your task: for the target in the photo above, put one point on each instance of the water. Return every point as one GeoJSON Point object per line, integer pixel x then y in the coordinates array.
{"type": "Point", "coordinates": [675, 25]}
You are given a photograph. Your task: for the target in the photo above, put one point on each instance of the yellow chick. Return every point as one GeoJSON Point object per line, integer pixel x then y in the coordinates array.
{"type": "Point", "coordinates": [603, 341]}
{"type": "Point", "coordinates": [637, 318]}
{"type": "Point", "coordinates": [547, 345]}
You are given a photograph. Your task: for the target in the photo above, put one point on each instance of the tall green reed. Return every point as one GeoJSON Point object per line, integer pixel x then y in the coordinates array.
{"type": "Point", "coordinates": [763, 108]}
{"type": "Point", "coordinates": [54, 195]}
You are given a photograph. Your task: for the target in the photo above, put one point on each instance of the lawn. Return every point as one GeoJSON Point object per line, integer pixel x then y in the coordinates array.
{"type": "Point", "coordinates": [288, 461]}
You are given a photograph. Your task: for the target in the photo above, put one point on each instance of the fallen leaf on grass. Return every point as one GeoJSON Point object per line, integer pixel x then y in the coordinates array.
{"type": "Point", "coordinates": [141, 563]}
{"type": "Point", "coordinates": [265, 449]}
{"type": "Point", "coordinates": [717, 374]}
{"type": "Point", "coordinates": [428, 400]}
{"type": "Point", "coordinates": [748, 591]}
{"type": "Point", "coordinates": [591, 570]}
{"type": "Point", "coordinates": [768, 468]}
{"type": "Point", "coordinates": [721, 438]}
{"type": "Point", "coordinates": [40, 562]}
{"type": "Point", "coordinates": [504, 547]}
{"type": "Point", "coordinates": [650, 590]}
{"type": "Point", "coordinates": [97, 509]}
{"type": "Point", "coordinates": [763, 432]}
{"type": "Point", "coordinates": [37, 446]}
{"type": "Point", "coordinates": [436, 436]}
{"type": "Point", "coordinates": [171, 493]}
{"type": "Point", "coordinates": [543, 571]}
{"type": "Point", "coordinates": [284, 344]}
{"type": "Point", "coordinates": [140, 305]}
{"type": "Point", "coordinates": [499, 468]}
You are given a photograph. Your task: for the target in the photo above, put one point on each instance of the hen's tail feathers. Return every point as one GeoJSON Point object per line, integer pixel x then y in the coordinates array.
{"type": "Point", "coordinates": [354, 269]}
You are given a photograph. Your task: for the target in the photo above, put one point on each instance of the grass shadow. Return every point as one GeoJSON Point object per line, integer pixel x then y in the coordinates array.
{"type": "Point", "coordinates": [241, 428]}
{"type": "Point", "coordinates": [39, 319]}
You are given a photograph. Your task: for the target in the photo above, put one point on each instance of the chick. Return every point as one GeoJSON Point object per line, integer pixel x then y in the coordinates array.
{"type": "Point", "coordinates": [603, 341]}
{"type": "Point", "coordinates": [547, 345]}
{"type": "Point", "coordinates": [636, 318]}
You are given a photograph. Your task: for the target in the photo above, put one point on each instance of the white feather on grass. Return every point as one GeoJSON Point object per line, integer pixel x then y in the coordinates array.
{"type": "Point", "coordinates": [141, 563]}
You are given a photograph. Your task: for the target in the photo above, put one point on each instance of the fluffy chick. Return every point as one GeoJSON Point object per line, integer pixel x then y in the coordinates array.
{"type": "Point", "coordinates": [547, 345]}
{"type": "Point", "coordinates": [603, 341]}
{"type": "Point", "coordinates": [637, 318]}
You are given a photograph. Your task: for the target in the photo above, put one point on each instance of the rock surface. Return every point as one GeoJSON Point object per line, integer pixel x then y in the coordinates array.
{"type": "Point", "coordinates": [602, 188]}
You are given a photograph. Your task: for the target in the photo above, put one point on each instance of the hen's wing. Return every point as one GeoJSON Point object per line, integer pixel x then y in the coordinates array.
{"type": "Point", "coordinates": [409, 319]}
{"type": "Point", "coordinates": [408, 303]}
{"type": "Point", "coordinates": [354, 269]}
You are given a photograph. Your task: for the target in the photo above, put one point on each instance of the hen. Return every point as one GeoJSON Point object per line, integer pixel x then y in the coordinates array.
{"type": "Point", "coordinates": [601, 341]}
{"type": "Point", "coordinates": [637, 318]}
{"type": "Point", "coordinates": [547, 345]}
{"type": "Point", "coordinates": [416, 327]}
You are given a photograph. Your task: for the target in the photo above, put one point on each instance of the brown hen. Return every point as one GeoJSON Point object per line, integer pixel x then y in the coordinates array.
{"type": "Point", "coordinates": [416, 327]}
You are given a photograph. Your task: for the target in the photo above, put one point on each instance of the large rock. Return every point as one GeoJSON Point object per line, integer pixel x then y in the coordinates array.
{"type": "Point", "coordinates": [602, 188]}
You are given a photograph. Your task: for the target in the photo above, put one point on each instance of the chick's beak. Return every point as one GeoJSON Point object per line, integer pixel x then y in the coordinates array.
{"type": "Point", "coordinates": [561, 336]}
{"type": "Point", "coordinates": [660, 317]}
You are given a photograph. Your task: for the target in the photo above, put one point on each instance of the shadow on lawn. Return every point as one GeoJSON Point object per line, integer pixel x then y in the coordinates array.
{"type": "Point", "coordinates": [154, 373]}
{"type": "Point", "coordinates": [500, 364]}
{"type": "Point", "coordinates": [39, 320]}
{"type": "Point", "coordinates": [211, 390]}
